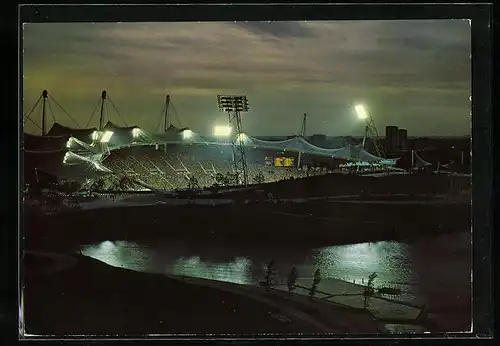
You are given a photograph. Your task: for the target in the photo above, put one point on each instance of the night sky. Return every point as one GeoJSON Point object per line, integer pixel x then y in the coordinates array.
{"type": "Point", "coordinates": [413, 74]}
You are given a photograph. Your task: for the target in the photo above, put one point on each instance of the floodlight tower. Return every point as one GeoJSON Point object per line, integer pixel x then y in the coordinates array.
{"type": "Point", "coordinates": [44, 102]}
{"type": "Point", "coordinates": [234, 105]}
{"type": "Point", "coordinates": [370, 129]}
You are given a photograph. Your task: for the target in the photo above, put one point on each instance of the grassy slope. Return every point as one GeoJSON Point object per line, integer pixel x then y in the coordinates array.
{"type": "Point", "coordinates": [94, 298]}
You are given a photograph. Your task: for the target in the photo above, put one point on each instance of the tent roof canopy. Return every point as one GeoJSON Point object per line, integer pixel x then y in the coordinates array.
{"type": "Point", "coordinates": [113, 127]}
{"type": "Point", "coordinates": [61, 130]}
{"type": "Point", "coordinates": [349, 152]}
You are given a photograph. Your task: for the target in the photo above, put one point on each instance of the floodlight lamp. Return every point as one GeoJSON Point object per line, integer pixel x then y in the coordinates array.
{"type": "Point", "coordinates": [187, 134]}
{"type": "Point", "coordinates": [361, 111]}
{"type": "Point", "coordinates": [136, 132]}
{"type": "Point", "coordinates": [106, 136]}
{"type": "Point", "coordinates": [222, 131]}
{"type": "Point", "coordinates": [242, 137]}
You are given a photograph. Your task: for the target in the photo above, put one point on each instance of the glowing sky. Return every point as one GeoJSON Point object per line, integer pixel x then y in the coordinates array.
{"type": "Point", "coordinates": [414, 74]}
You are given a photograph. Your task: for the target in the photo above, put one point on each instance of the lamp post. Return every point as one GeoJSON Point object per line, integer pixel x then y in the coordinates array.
{"type": "Point", "coordinates": [234, 105]}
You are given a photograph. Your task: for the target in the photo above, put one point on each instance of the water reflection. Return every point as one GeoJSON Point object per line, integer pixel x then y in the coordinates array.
{"type": "Point", "coordinates": [408, 266]}
{"type": "Point", "coordinates": [390, 260]}
{"type": "Point", "coordinates": [237, 271]}
{"type": "Point", "coordinates": [120, 254]}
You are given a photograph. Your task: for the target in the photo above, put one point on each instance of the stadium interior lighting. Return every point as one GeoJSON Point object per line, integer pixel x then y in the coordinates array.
{"type": "Point", "coordinates": [222, 131]}
{"type": "Point", "coordinates": [361, 112]}
{"type": "Point", "coordinates": [106, 136]}
{"type": "Point", "coordinates": [187, 134]}
{"type": "Point", "coordinates": [136, 132]}
{"type": "Point", "coordinates": [66, 156]}
{"type": "Point", "coordinates": [95, 135]}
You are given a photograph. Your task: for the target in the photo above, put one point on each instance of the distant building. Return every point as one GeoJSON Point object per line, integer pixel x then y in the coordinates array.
{"type": "Point", "coordinates": [403, 139]}
{"type": "Point", "coordinates": [391, 138]}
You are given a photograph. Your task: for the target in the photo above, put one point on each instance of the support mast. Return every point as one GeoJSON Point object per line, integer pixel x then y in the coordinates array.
{"type": "Point", "coordinates": [303, 135]}
{"type": "Point", "coordinates": [303, 129]}
{"type": "Point", "coordinates": [44, 96]}
{"type": "Point", "coordinates": [167, 118]}
{"type": "Point", "coordinates": [101, 120]}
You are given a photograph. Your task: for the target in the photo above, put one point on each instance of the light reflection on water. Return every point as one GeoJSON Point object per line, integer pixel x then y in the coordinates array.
{"type": "Point", "coordinates": [237, 271]}
{"type": "Point", "coordinates": [419, 268]}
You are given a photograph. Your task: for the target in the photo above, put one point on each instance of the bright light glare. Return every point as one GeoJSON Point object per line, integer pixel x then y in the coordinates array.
{"type": "Point", "coordinates": [186, 134]}
{"type": "Point", "coordinates": [222, 131]}
{"type": "Point", "coordinates": [136, 132]}
{"type": "Point", "coordinates": [95, 136]}
{"type": "Point", "coordinates": [242, 137]}
{"type": "Point", "coordinates": [106, 136]}
{"type": "Point", "coordinates": [361, 111]}
{"type": "Point", "coordinates": [68, 143]}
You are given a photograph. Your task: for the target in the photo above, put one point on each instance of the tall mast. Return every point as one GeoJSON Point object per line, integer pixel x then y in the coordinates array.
{"type": "Point", "coordinates": [167, 119]}
{"type": "Point", "coordinates": [44, 96]}
{"type": "Point", "coordinates": [304, 123]}
{"type": "Point", "coordinates": [101, 120]}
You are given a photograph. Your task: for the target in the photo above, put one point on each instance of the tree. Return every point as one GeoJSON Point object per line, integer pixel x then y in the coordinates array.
{"type": "Point", "coordinates": [316, 281]}
{"type": "Point", "coordinates": [231, 178]}
{"type": "Point", "coordinates": [97, 185]}
{"type": "Point", "coordinates": [292, 279]}
{"type": "Point", "coordinates": [114, 184]}
{"type": "Point", "coordinates": [193, 183]}
{"type": "Point", "coordinates": [221, 179]}
{"type": "Point", "coordinates": [369, 288]}
{"type": "Point", "coordinates": [259, 178]}
{"type": "Point", "coordinates": [125, 183]}
{"type": "Point", "coordinates": [270, 276]}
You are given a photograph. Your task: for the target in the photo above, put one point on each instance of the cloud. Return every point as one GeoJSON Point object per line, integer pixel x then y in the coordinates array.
{"type": "Point", "coordinates": [403, 67]}
{"type": "Point", "coordinates": [278, 30]}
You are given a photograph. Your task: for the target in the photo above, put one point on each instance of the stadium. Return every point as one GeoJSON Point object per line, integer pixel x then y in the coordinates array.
{"type": "Point", "coordinates": [293, 186]}
{"type": "Point", "coordinates": [113, 157]}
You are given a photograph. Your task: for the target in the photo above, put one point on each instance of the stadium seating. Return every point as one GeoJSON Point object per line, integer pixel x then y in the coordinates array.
{"type": "Point", "coordinates": [175, 168]}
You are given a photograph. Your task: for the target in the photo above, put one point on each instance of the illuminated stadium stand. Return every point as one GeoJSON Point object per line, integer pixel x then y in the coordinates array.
{"type": "Point", "coordinates": [167, 160]}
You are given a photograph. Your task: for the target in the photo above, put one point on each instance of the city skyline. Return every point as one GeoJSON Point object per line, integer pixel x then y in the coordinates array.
{"type": "Point", "coordinates": [412, 74]}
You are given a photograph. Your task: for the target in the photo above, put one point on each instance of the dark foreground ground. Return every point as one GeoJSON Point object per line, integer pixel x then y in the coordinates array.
{"type": "Point", "coordinates": [92, 298]}
{"type": "Point", "coordinates": [95, 299]}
